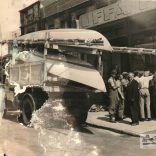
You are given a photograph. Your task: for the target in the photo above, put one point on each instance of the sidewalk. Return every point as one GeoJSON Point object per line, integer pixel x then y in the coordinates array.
{"type": "Point", "coordinates": [101, 120]}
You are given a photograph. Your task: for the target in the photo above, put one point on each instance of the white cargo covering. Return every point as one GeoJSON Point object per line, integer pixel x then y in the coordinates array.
{"type": "Point", "coordinates": [80, 74]}
{"type": "Point", "coordinates": [66, 35]}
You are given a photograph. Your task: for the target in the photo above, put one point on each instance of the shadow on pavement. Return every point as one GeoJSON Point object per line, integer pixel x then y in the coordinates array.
{"type": "Point", "coordinates": [105, 118]}
{"type": "Point", "coordinates": [11, 117]}
{"type": "Point", "coordinates": [83, 129]}
{"type": "Point", "coordinates": [125, 122]}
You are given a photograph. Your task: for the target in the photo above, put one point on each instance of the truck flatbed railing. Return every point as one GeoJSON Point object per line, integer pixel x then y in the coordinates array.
{"type": "Point", "coordinates": [67, 37]}
{"type": "Point", "coordinates": [134, 50]}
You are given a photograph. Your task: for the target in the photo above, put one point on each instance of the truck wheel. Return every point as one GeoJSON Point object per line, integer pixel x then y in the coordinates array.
{"type": "Point", "coordinates": [28, 107]}
{"type": "Point", "coordinates": [78, 107]}
{"type": "Point", "coordinates": [84, 105]}
{"type": "Point", "coordinates": [81, 119]}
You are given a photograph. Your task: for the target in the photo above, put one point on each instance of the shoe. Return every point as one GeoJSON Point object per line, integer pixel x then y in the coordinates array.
{"type": "Point", "coordinates": [118, 119]}
{"type": "Point", "coordinates": [112, 120]}
{"type": "Point", "coordinates": [135, 124]}
{"type": "Point", "coordinates": [149, 119]}
{"type": "Point", "coordinates": [84, 125]}
{"type": "Point", "coordinates": [124, 117]}
{"type": "Point", "coordinates": [142, 119]}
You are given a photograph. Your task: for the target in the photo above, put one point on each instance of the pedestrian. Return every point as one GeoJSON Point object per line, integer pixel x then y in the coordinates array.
{"type": "Point", "coordinates": [136, 76]}
{"type": "Point", "coordinates": [120, 107]}
{"type": "Point", "coordinates": [152, 89]}
{"type": "Point", "coordinates": [2, 100]}
{"type": "Point", "coordinates": [125, 79]}
{"type": "Point", "coordinates": [145, 96]}
{"type": "Point", "coordinates": [125, 82]}
{"type": "Point", "coordinates": [113, 95]}
{"type": "Point", "coordinates": [116, 69]}
{"type": "Point", "coordinates": [133, 99]}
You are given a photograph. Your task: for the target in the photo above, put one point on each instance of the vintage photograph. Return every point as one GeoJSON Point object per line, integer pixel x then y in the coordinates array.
{"type": "Point", "coordinates": [77, 77]}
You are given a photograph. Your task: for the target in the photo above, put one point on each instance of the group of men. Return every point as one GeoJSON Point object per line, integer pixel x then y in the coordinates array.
{"type": "Point", "coordinates": [131, 95]}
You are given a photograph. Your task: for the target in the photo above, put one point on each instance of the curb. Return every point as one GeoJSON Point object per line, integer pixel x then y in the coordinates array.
{"type": "Point", "coordinates": [114, 130]}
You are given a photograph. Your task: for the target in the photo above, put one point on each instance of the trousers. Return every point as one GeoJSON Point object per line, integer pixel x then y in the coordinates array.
{"type": "Point", "coordinates": [113, 99]}
{"type": "Point", "coordinates": [145, 100]}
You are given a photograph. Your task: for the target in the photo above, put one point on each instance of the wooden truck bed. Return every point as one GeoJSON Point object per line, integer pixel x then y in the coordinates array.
{"type": "Point", "coordinates": [27, 73]}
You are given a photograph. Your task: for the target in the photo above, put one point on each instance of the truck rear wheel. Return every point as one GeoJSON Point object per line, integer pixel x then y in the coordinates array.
{"type": "Point", "coordinates": [28, 107]}
{"type": "Point", "coordinates": [78, 107]}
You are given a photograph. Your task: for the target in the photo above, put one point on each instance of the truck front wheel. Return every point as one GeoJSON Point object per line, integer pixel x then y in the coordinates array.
{"type": "Point", "coordinates": [28, 107]}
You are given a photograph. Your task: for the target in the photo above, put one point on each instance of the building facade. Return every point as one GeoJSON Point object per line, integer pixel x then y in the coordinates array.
{"type": "Point", "coordinates": [48, 14]}
{"type": "Point", "coordinates": [124, 22]}
{"type": "Point", "coordinates": [30, 18]}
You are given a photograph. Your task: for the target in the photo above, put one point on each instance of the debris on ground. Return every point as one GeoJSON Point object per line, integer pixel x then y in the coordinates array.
{"type": "Point", "coordinates": [97, 108]}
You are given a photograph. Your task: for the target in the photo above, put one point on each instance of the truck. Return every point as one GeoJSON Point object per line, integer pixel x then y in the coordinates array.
{"type": "Point", "coordinates": [48, 65]}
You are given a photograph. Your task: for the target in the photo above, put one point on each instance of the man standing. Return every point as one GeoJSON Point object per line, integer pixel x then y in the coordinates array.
{"type": "Point", "coordinates": [113, 96]}
{"type": "Point", "coordinates": [2, 101]}
{"type": "Point", "coordinates": [120, 107]}
{"type": "Point", "coordinates": [145, 95]}
{"type": "Point", "coordinates": [153, 95]}
{"type": "Point", "coordinates": [124, 84]}
{"type": "Point", "coordinates": [136, 76]}
{"type": "Point", "coordinates": [133, 99]}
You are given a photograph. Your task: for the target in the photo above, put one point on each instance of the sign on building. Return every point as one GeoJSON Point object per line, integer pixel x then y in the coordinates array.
{"type": "Point", "coordinates": [116, 11]}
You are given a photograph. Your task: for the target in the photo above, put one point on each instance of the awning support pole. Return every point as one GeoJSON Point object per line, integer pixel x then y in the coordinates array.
{"type": "Point", "coordinates": [100, 63]}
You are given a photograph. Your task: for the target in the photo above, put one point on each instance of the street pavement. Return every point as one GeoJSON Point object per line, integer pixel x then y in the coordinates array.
{"type": "Point", "coordinates": [17, 140]}
{"type": "Point", "coordinates": [101, 120]}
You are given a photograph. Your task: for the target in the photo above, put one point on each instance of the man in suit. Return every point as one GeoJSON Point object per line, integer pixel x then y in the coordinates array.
{"type": "Point", "coordinates": [152, 89]}
{"type": "Point", "coordinates": [133, 99]}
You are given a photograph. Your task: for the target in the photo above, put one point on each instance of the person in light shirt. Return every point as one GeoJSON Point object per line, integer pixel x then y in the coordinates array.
{"type": "Point", "coordinates": [145, 95]}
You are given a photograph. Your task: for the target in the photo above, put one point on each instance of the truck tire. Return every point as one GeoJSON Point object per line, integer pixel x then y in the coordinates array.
{"type": "Point", "coordinates": [78, 107]}
{"type": "Point", "coordinates": [81, 119]}
{"type": "Point", "coordinates": [28, 107]}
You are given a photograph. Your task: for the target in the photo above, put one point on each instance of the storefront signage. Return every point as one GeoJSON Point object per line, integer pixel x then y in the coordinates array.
{"type": "Point", "coordinates": [115, 11]}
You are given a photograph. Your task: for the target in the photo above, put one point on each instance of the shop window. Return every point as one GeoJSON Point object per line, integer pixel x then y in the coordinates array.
{"type": "Point", "coordinates": [62, 24]}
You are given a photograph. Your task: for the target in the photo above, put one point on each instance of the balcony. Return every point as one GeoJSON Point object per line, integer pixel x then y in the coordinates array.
{"type": "Point", "coordinates": [58, 6]}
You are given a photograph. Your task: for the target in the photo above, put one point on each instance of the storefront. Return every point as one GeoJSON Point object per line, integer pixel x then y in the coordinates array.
{"type": "Point", "coordinates": [124, 23]}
